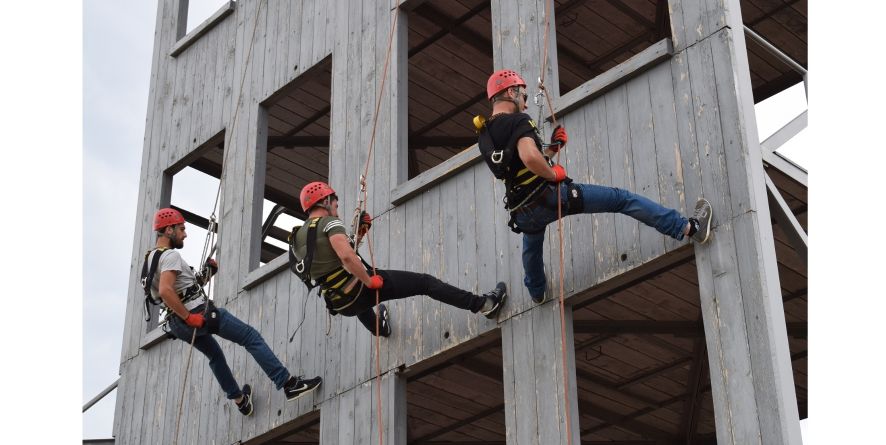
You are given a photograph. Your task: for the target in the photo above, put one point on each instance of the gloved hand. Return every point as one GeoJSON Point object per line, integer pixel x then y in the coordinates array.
{"type": "Point", "coordinates": [375, 282]}
{"type": "Point", "coordinates": [195, 320]}
{"type": "Point", "coordinates": [212, 265]}
{"type": "Point", "coordinates": [559, 173]}
{"type": "Point", "coordinates": [365, 223]}
{"type": "Point", "coordinates": [558, 139]}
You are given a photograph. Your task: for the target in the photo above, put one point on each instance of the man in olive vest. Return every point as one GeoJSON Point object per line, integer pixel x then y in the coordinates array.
{"type": "Point", "coordinates": [172, 283]}
{"type": "Point", "coordinates": [512, 147]}
{"type": "Point", "coordinates": [322, 251]}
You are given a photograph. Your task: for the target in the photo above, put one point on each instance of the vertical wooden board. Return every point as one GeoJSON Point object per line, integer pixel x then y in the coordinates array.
{"type": "Point", "coordinates": [301, 352]}
{"type": "Point", "coordinates": [380, 192]}
{"type": "Point", "coordinates": [268, 304]}
{"type": "Point", "coordinates": [509, 380]}
{"type": "Point", "coordinates": [394, 408]}
{"type": "Point", "coordinates": [742, 157]}
{"type": "Point", "coordinates": [500, 33]}
{"type": "Point", "coordinates": [643, 149]}
{"type": "Point", "coordinates": [721, 302]}
{"type": "Point", "coordinates": [409, 326]}
{"type": "Point", "coordinates": [365, 412]}
{"type": "Point", "coordinates": [450, 317]}
{"type": "Point", "coordinates": [320, 27]}
{"type": "Point", "coordinates": [347, 351]}
{"type": "Point", "coordinates": [757, 264]}
{"type": "Point", "coordinates": [626, 228]}
{"type": "Point", "coordinates": [173, 390]}
{"type": "Point", "coordinates": [230, 218]}
{"type": "Point", "coordinates": [126, 391]}
{"type": "Point", "coordinates": [173, 132]}
{"type": "Point", "coordinates": [528, 44]}
{"type": "Point", "coordinates": [572, 385]}
{"type": "Point", "coordinates": [150, 394]}
{"type": "Point", "coordinates": [255, 152]}
{"type": "Point", "coordinates": [678, 27]}
{"type": "Point", "coordinates": [278, 341]}
{"type": "Point", "coordinates": [709, 134]}
{"type": "Point", "coordinates": [120, 397]}
{"type": "Point", "coordinates": [329, 421]}
{"type": "Point", "coordinates": [605, 250]}
{"type": "Point", "coordinates": [484, 225]}
{"type": "Point", "coordinates": [332, 341]}
{"type": "Point", "coordinates": [668, 154]}
{"type": "Point", "coordinates": [293, 36]}
{"type": "Point", "coordinates": [306, 43]}
{"type": "Point", "coordinates": [346, 417]}
{"type": "Point", "coordinates": [581, 230]}
{"type": "Point", "coordinates": [691, 20]}
{"type": "Point", "coordinates": [526, 397]}
{"type": "Point", "coordinates": [567, 227]}
{"type": "Point", "coordinates": [219, 96]}
{"type": "Point", "coordinates": [431, 310]}
{"type": "Point", "coordinates": [312, 353]}
{"type": "Point", "coordinates": [684, 109]}
{"type": "Point", "coordinates": [271, 12]}
{"type": "Point", "coordinates": [549, 395]}
{"type": "Point", "coordinates": [467, 244]}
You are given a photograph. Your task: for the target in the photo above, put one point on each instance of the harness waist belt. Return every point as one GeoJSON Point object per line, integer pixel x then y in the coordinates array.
{"type": "Point", "coordinates": [191, 305]}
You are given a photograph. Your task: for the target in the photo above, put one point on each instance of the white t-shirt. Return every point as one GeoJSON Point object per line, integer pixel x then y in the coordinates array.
{"type": "Point", "coordinates": [171, 259]}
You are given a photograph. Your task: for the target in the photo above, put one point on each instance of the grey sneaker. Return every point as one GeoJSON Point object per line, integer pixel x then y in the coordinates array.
{"type": "Point", "coordinates": [498, 297]}
{"type": "Point", "coordinates": [700, 230]}
{"type": "Point", "coordinates": [296, 387]}
{"type": "Point", "coordinates": [245, 405]}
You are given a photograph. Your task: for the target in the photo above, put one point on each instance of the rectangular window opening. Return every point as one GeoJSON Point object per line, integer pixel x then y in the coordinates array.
{"type": "Point", "coordinates": [194, 187]}
{"type": "Point", "coordinates": [594, 36]}
{"type": "Point", "coordinates": [201, 10]}
{"type": "Point", "coordinates": [450, 57]}
{"type": "Point", "coordinates": [298, 130]}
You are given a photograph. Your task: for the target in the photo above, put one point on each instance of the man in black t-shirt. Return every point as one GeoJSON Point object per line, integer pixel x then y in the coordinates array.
{"type": "Point", "coordinates": [345, 283]}
{"type": "Point", "coordinates": [512, 147]}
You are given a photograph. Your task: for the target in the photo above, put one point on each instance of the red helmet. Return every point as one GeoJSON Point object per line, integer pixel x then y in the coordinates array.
{"type": "Point", "coordinates": [502, 80]}
{"type": "Point", "coordinates": [313, 193]}
{"type": "Point", "coordinates": [167, 217]}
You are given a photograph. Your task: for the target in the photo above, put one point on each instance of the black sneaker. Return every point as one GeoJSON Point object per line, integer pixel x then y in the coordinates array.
{"type": "Point", "coordinates": [498, 297]}
{"type": "Point", "coordinates": [384, 325]}
{"type": "Point", "coordinates": [245, 405]}
{"type": "Point", "coordinates": [296, 387]}
{"type": "Point", "coordinates": [538, 299]}
{"type": "Point", "coordinates": [700, 223]}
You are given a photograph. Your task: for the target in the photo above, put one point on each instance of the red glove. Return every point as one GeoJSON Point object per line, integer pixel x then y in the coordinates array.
{"type": "Point", "coordinates": [365, 223]}
{"type": "Point", "coordinates": [195, 320]}
{"type": "Point", "coordinates": [375, 282]}
{"type": "Point", "coordinates": [559, 173]}
{"type": "Point", "coordinates": [212, 265]}
{"type": "Point", "coordinates": [558, 139]}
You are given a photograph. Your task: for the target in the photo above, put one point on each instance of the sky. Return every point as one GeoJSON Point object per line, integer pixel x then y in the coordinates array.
{"type": "Point", "coordinates": [117, 40]}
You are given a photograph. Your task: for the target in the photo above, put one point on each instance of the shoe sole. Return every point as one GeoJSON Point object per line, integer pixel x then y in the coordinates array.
{"type": "Point", "coordinates": [247, 391]}
{"type": "Point", "coordinates": [707, 225]}
{"type": "Point", "coordinates": [383, 312]}
{"type": "Point", "coordinates": [494, 313]}
{"type": "Point", "coordinates": [303, 393]}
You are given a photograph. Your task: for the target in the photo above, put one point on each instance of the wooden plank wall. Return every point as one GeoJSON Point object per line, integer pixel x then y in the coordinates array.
{"type": "Point", "coordinates": [651, 134]}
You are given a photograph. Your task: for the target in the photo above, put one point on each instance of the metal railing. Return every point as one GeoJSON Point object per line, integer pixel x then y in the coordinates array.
{"type": "Point", "coordinates": [101, 395]}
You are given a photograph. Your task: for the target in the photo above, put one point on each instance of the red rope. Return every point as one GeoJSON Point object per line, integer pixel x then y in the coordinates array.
{"type": "Point", "coordinates": [544, 63]}
{"type": "Point", "coordinates": [360, 207]}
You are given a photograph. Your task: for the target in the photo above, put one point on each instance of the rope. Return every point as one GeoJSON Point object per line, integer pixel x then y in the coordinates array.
{"type": "Point", "coordinates": [541, 87]}
{"type": "Point", "coordinates": [212, 228]}
{"type": "Point", "coordinates": [361, 206]}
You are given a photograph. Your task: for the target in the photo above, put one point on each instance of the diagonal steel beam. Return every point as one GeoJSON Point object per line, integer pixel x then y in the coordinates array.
{"type": "Point", "coordinates": [449, 114]}
{"type": "Point", "coordinates": [786, 219]}
{"type": "Point", "coordinates": [784, 134]}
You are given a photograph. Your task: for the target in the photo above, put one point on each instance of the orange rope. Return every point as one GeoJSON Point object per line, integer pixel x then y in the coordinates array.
{"type": "Point", "coordinates": [356, 224]}
{"type": "Point", "coordinates": [544, 62]}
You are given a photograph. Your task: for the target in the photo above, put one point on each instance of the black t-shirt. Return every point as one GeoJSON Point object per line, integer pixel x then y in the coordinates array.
{"type": "Point", "coordinates": [522, 185]}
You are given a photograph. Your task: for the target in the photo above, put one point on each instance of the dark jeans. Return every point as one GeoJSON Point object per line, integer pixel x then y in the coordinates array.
{"type": "Point", "coordinates": [400, 284]}
{"type": "Point", "coordinates": [533, 220]}
{"type": "Point", "coordinates": [232, 329]}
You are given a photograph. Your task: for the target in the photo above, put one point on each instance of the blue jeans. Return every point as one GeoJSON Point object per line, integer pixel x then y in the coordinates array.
{"type": "Point", "coordinates": [232, 329]}
{"type": "Point", "coordinates": [533, 219]}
